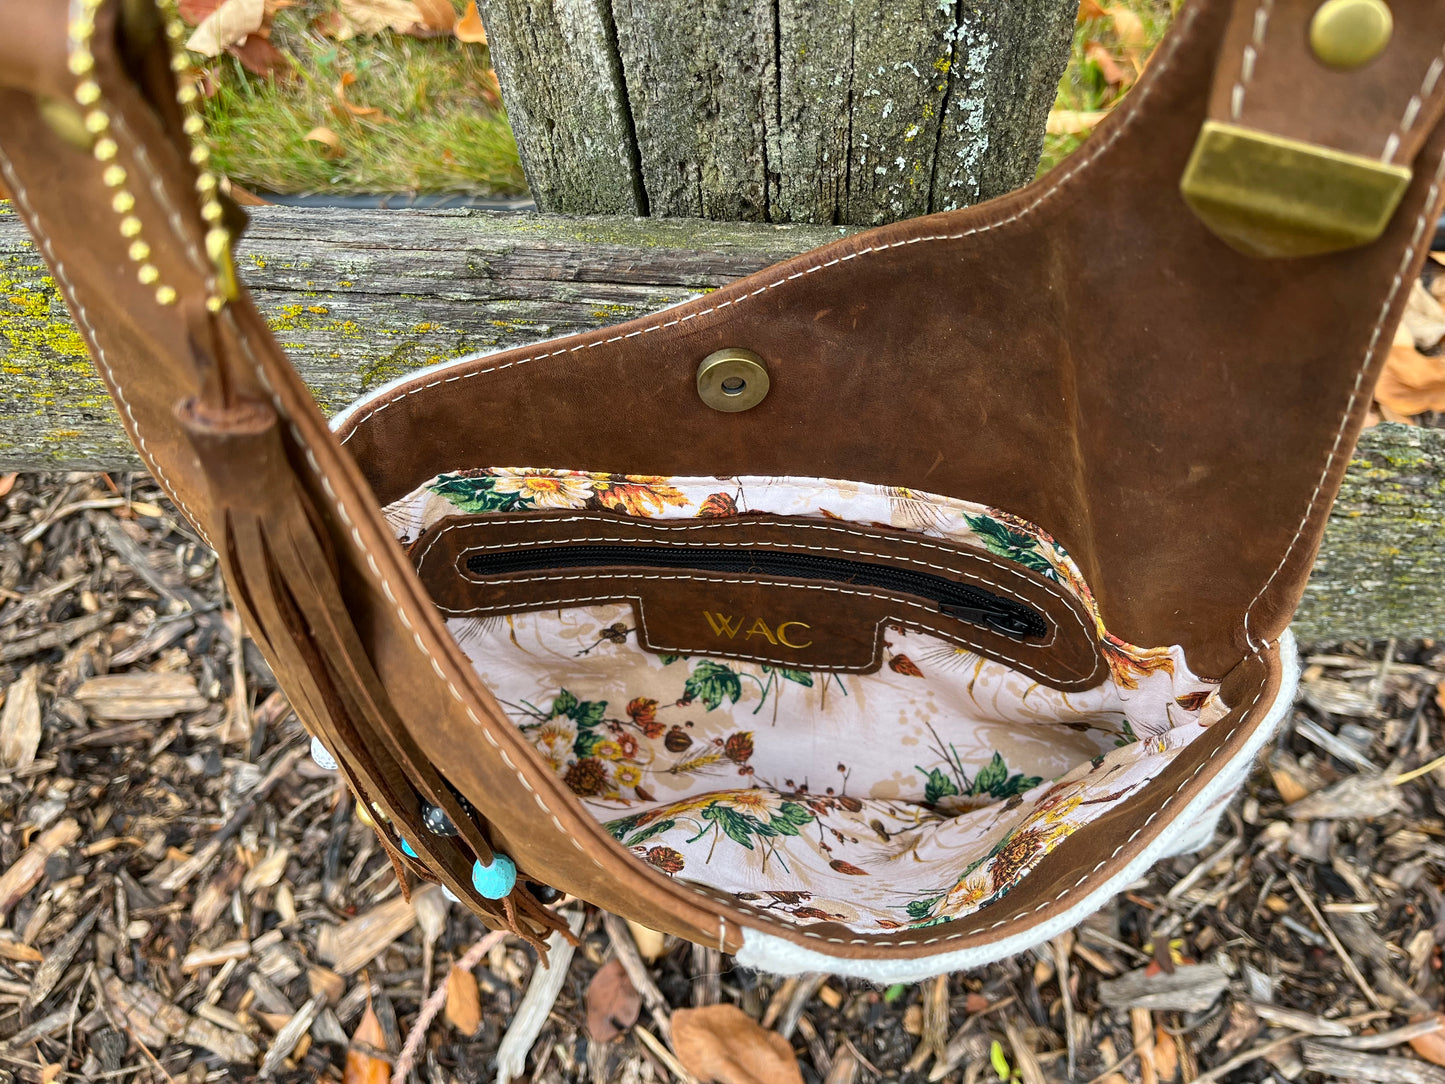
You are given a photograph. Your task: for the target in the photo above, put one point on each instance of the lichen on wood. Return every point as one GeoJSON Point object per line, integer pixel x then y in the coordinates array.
{"type": "Point", "coordinates": [862, 112]}
{"type": "Point", "coordinates": [357, 301]}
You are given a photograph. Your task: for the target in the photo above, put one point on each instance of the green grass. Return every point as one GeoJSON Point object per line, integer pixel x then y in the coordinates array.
{"type": "Point", "coordinates": [1084, 87]}
{"type": "Point", "coordinates": [437, 130]}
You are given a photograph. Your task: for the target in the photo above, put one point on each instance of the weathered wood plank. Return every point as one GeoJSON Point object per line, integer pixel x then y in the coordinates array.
{"type": "Point", "coordinates": [359, 297]}
{"type": "Point", "coordinates": [777, 110]}
{"type": "Point", "coordinates": [562, 83]}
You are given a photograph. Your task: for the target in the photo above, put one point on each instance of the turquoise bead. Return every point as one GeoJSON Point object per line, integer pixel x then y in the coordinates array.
{"type": "Point", "coordinates": [496, 881]}
{"type": "Point", "coordinates": [406, 849]}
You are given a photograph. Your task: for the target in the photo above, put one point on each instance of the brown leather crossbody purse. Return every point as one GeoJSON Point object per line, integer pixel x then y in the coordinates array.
{"type": "Point", "coordinates": [884, 612]}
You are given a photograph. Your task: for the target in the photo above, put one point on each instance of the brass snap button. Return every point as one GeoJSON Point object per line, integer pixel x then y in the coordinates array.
{"type": "Point", "coordinates": [1348, 34]}
{"type": "Point", "coordinates": [732, 379]}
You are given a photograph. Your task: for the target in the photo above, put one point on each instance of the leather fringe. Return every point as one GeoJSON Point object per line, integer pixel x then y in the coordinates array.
{"type": "Point", "coordinates": [287, 581]}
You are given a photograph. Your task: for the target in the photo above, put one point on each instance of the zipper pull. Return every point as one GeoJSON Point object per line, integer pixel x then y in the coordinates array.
{"type": "Point", "coordinates": [1007, 622]}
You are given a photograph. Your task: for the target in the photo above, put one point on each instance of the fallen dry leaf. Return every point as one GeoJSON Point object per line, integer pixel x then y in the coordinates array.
{"type": "Point", "coordinates": [437, 16]}
{"type": "Point", "coordinates": [193, 11]}
{"type": "Point", "coordinates": [1128, 27]}
{"type": "Point", "coordinates": [1431, 1046]}
{"type": "Point", "coordinates": [1424, 317]}
{"type": "Point", "coordinates": [20, 722]}
{"type": "Point", "coordinates": [259, 57]}
{"type": "Point", "coordinates": [469, 27]}
{"type": "Point", "coordinates": [228, 25]}
{"type": "Point", "coordinates": [328, 139]}
{"type": "Point", "coordinates": [361, 1067]}
{"type": "Point", "coordinates": [1411, 383]}
{"type": "Point", "coordinates": [1090, 9]}
{"type": "Point", "coordinates": [1073, 121]}
{"type": "Point", "coordinates": [724, 1045]}
{"type": "Point", "coordinates": [1112, 71]}
{"type": "Point", "coordinates": [374, 16]}
{"type": "Point", "coordinates": [613, 1003]}
{"type": "Point", "coordinates": [347, 79]}
{"type": "Point", "coordinates": [464, 1001]}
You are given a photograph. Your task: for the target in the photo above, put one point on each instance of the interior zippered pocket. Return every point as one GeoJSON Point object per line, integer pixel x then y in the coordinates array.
{"type": "Point", "coordinates": [971, 604]}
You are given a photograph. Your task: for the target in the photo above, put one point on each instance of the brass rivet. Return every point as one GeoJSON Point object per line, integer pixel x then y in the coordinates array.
{"type": "Point", "coordinates": [1348, 34]}
{"type": "Point", "coordinates": [732, 379]}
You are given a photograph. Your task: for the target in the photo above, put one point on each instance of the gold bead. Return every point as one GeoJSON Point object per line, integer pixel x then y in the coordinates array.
{"type": "Point", "coordinates": [364, 815]}
{"type": "Point", "coordinates": [166, 295]}
{"type": "Point", "coordinates": [122, 203]}
{"type": "Point", "coordinates": [193, 125]}
{"type": "Point", "coordinates": [186, 94]}
{"type": "Point", "coordinates": [88, 92]}
{"type": "Point", "coordinates": [139, 251]}
{"type": "Point", "coordinates": [206, 183]}
{"type": "Point", "coordinates": [1348, 34]}
{"type": "Point", "coordinates": [105, 149]}
{"type": "Point", "coordinates": [215, 304]}
{"type": "Point", "coordinates": [81, 62]}
{"type": "Point", "coordinates": [81, 29]}
{"type": "Point", "coordinates": [96, 122]}
{"type": "Point", "coordinates": [211, 211]}
{"type": "Point", "coordinates": [179, 63]}
{"type": "Point", "coordinates": [114, 176]}
{"type": "Point", "coordinates": [148, 274]}
{"type": "Point", "coordinates": [130, 226]}
{"type": "Point", "coordinates": [200, 154]}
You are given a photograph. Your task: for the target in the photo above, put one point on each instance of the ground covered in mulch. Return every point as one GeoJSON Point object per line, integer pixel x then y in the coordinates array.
{"type": "Point", "coordinates": [186, 897]}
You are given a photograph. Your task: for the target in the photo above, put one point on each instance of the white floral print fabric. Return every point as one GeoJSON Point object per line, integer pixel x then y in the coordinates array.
{"type": "Point", "coordinates": [910, 796]}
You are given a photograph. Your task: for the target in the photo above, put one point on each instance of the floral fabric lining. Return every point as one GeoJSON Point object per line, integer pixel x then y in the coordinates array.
{"type": "Point", "coordinates": [906, 797]}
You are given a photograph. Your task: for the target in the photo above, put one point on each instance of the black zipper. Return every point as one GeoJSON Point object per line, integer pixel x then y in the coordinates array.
{"type": "Point", "coordinates": [971, 604]}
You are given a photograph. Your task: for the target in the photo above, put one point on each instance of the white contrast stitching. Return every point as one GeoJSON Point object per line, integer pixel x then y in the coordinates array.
{"type": "Point", "coordinates": [1066, 173]}
{"type": "Point", "coordinates": [1249, 57]}
{"type": "Point", "coordinates": [22, 196]}
{"type": "Point", "coordinates": [1420, 222]}
{"type": "Point", "coordinates": [1069, 602]}
{"type": "Point", "coordinates": [386, 586]}
{"type": "Point", "coordinates": [1163, 63]}
{"type": "Point", "coordinates": [1412, 109]}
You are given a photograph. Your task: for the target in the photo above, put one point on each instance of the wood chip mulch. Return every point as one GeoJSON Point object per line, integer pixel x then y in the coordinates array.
{"type": "Point", "coordinates": [184, 896]}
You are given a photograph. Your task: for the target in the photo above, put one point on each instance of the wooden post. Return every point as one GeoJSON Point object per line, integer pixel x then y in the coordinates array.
{"type": "Point", "coordinates": [850, 112]}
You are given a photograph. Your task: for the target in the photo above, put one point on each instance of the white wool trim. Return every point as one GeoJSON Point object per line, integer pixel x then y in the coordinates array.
{"type": "Point", "coordinates": [766, 952]}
